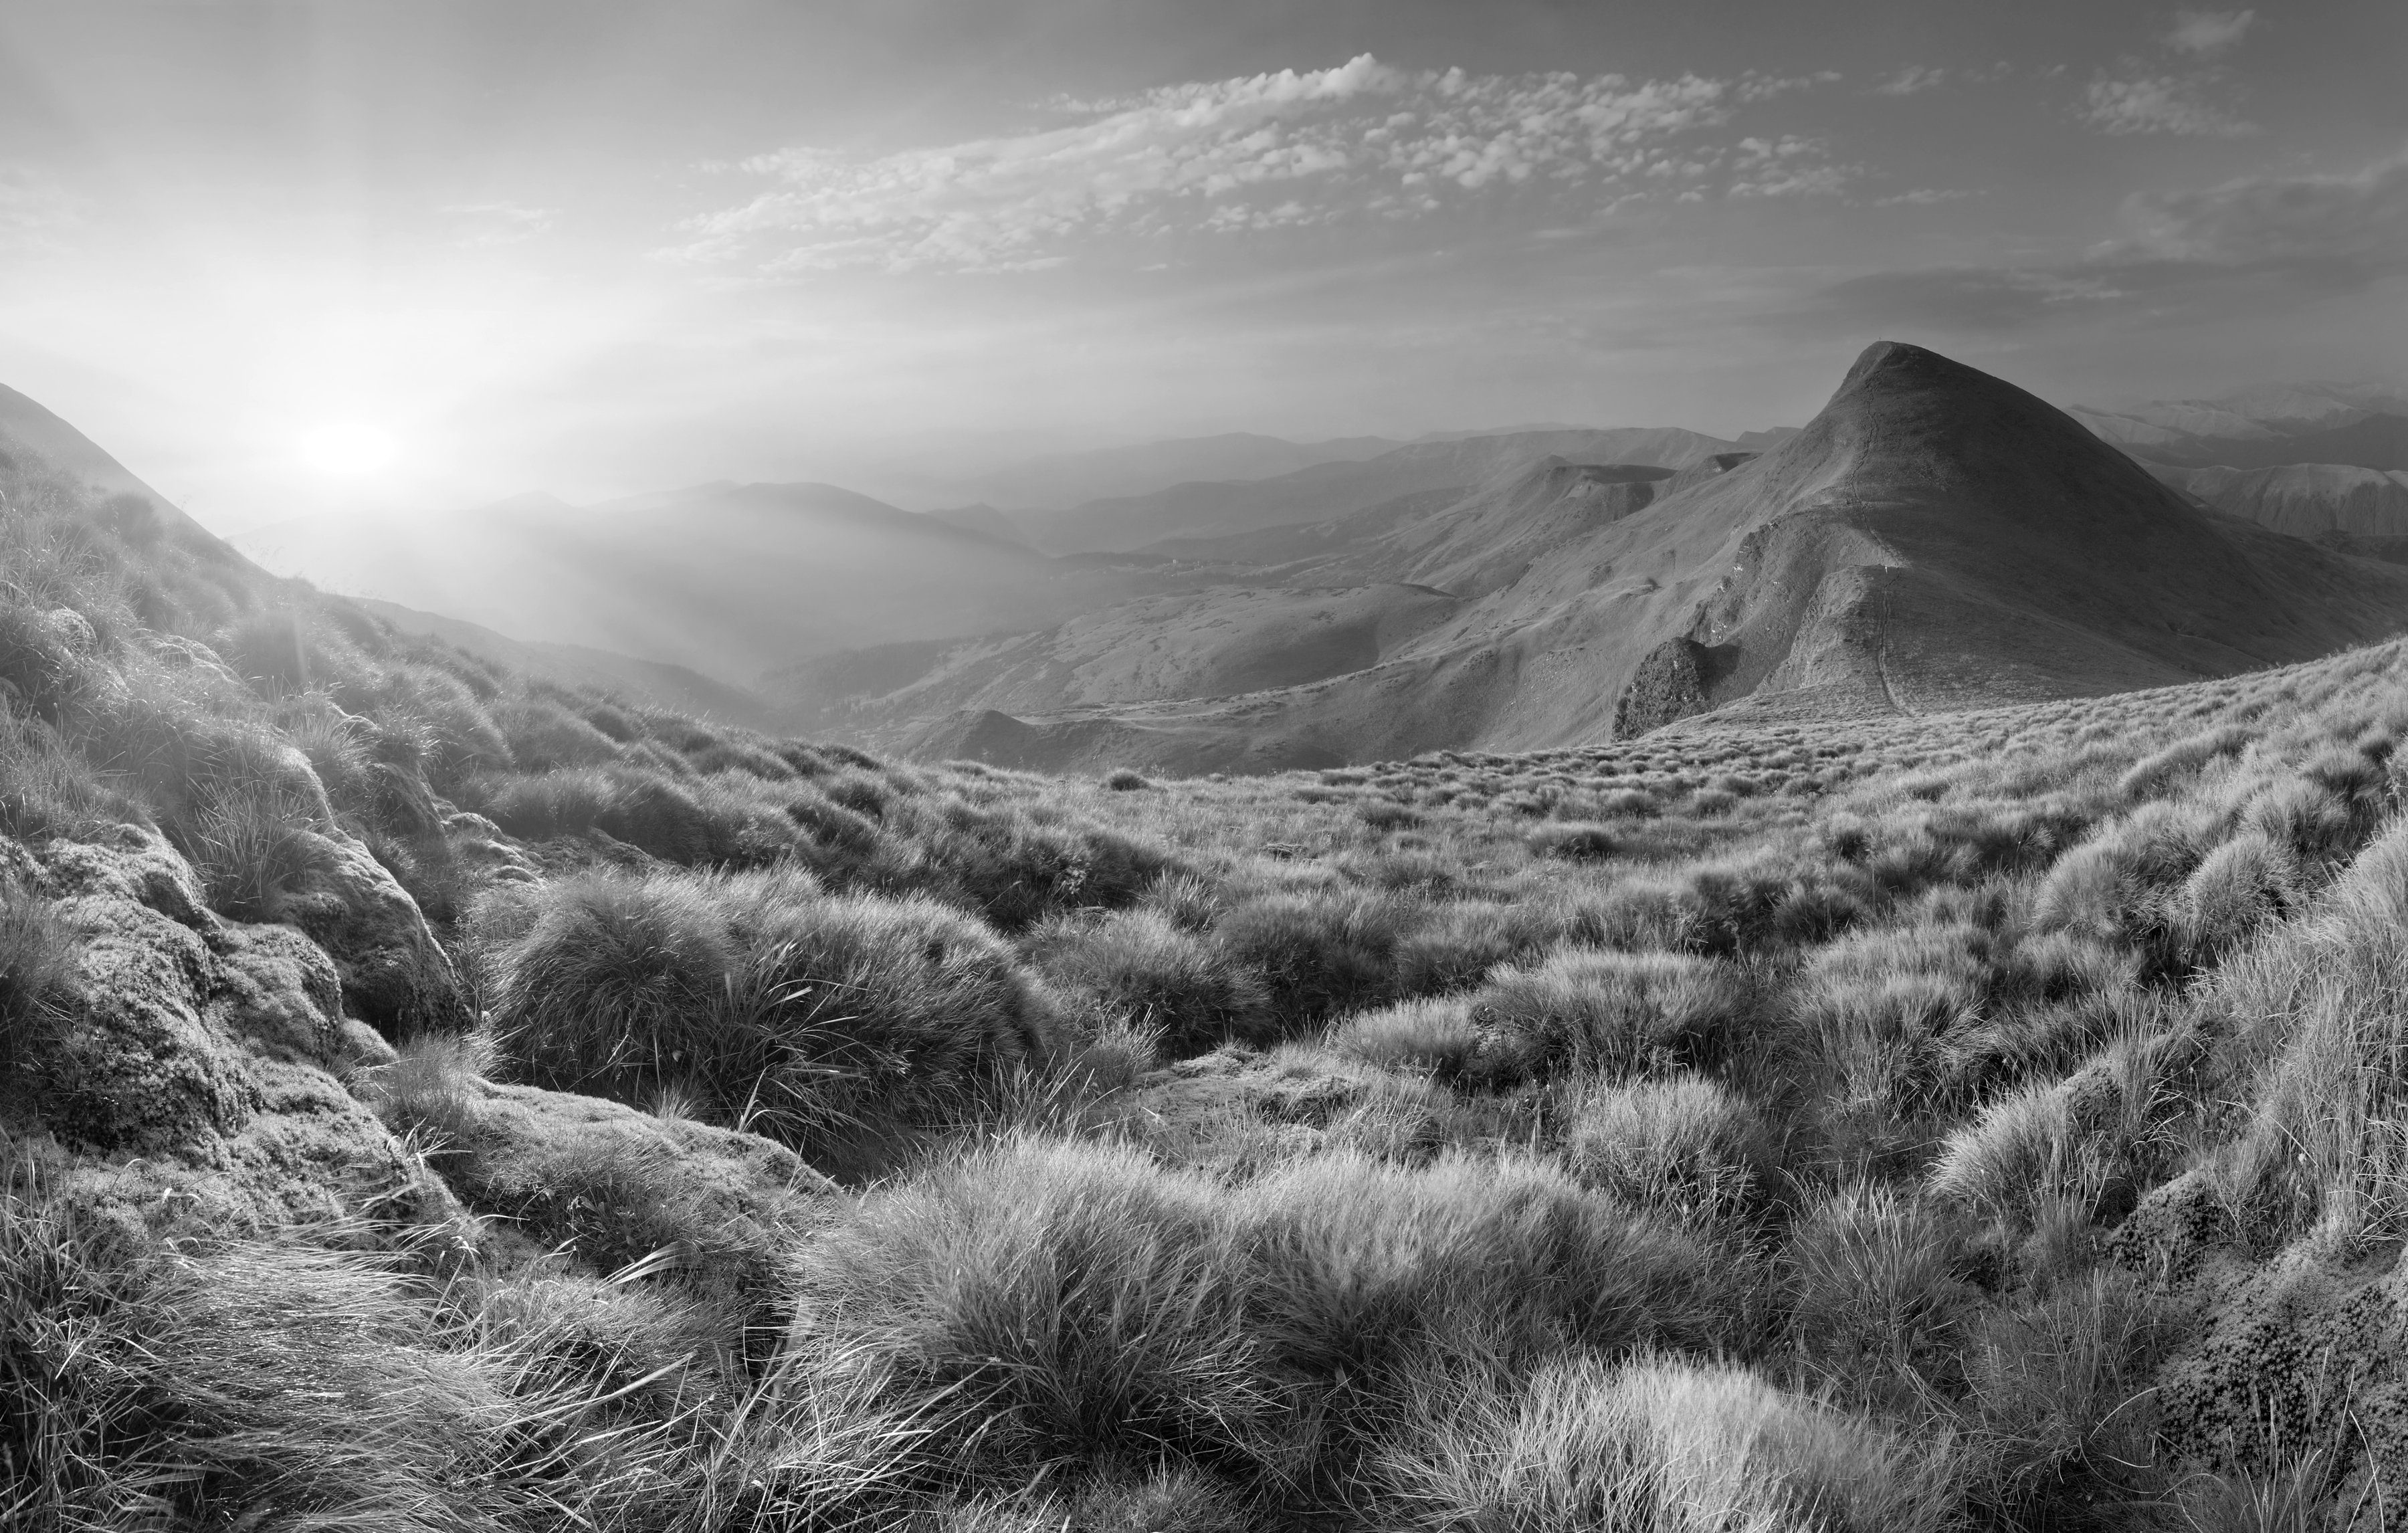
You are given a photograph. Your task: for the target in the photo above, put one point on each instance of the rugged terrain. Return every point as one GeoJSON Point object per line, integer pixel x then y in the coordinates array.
{"type": "Point", "coordinates": [438, 1097]}
{"type": "Point", "coordinates": [1934, 539]}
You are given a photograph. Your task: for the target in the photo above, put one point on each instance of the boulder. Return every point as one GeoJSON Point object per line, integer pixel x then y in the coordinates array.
{"type": "Point", "coordinates": [605, 1184]}
{"type": "Point", "coordinates": [394, 975]}
{"type": "Point", "coordinates": [193, 1065]}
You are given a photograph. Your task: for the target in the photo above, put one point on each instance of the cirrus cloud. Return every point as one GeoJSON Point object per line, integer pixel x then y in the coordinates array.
{"type": "Point", "coordinates": [2209, 32]}
{"type": "Point", "coordinates": [2168, 104]}
{"type": "Point", "coordinates": [1361, 141]}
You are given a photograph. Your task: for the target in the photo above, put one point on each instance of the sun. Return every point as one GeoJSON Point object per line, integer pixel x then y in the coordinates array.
{"type": "Point", "coordinates": [349, 449]}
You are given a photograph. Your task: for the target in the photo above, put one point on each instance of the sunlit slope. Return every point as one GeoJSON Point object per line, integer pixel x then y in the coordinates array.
{"type": "Point", "coordinates": [730, 580]}
{"type": "Point", "coordinates": [1936, 538]}
{"type": "Point", "coordinates": [31, 433]}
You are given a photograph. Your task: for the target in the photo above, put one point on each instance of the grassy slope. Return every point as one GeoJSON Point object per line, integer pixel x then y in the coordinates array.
{"type": "Point", "coordinates": [1890, 1124]}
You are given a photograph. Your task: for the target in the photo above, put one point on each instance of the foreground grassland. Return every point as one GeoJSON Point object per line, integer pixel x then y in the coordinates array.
{"type": "Point", "coordinates": [1988, 1120]}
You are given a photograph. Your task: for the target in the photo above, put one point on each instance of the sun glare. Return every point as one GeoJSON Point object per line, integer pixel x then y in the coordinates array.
{"type": "Point", "coordinates": [348, 448]}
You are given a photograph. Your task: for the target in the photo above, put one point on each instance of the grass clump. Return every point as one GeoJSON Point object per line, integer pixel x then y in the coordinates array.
{"type": "Point", "coordinates": [767, 1003]}
{"type": "Point", "coordinates": [1594, 1010]}
{"type": "Point", "coordinates": [1685, 1146]}
{"type": "Point", "coordinates": [1047, 1300]}
{"type": "Point", "coordinates": [1670, 1447]}
{"type": "Point", "coordinates": [1142, 967]}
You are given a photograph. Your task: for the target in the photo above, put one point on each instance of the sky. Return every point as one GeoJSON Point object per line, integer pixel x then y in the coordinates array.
{"type": "Point", "coordinates": [314, 254]}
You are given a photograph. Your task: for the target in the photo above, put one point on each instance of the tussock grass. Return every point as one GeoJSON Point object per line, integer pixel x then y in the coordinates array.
{"type": "Point", "coordinates": [1685, 1146]}
{"type": "Point", "coordinates": [1738, 1127]}
{"type": "Point", "coordinates": [1589, 1009]}
{"type": "Point", "coordinates": [773, 1005]}
{"type": "Point", "coordinates": [1143, 968]}
{"type": "Point", "coordinates": [1666, 1447]}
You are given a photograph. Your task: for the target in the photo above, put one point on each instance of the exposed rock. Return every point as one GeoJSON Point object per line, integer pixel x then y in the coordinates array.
{"type": "Point", "coordinates": [394, 975]}
{"type": "Point", "coordinates": [193, 1070]}
{"type": "Point", "coordinates": [1668, 684]}
{"type": "Point", "coordinates": [480, 846]}
{"type": "Point", "coordinates": [2306, 1353]}
{"type": "Point", "coordinates": [609, 1185]}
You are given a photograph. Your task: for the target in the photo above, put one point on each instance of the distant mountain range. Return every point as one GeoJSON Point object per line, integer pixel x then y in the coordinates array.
{"type": "Point", "coordinates": [1220, 507]}
{"type": "Point", "coordinates": [1934, 539]}
{"type": "Point", "coordinates": [2315, 460]}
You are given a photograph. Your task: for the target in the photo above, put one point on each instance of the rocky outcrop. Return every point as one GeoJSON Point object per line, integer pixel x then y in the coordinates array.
{"type": "Point", "coordinates": [191, 1065]}
{"type": "Point", "coordinates": [394, 975]}
{"type": "Point", "coordinates": [1669, 683]}
{"type": "Point", "coordinates": [606, 1185]}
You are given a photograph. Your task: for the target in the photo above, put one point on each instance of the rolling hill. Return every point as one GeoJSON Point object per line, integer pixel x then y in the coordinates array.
{"type": "Point", "coordinates": [1936, 538]}
{"type": "Point", "coordinates": [1324, 491]}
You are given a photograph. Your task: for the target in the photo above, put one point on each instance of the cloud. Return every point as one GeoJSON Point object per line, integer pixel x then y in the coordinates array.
{"type": "Point", "coordinates": [1914, 78]}
{"type": "Point", "coordinates": [1363, 140]}
{"type": "Point", "coordinates": [2169, 103]}
{"type": "Point", "coordinates": [2207, 33]}
{"type": "Point", "coordinates": [2257, 244]}
{"type": "Point", "coordinates": [2356, 222]}
{"type": "Point", "coordinates": [485, 224]}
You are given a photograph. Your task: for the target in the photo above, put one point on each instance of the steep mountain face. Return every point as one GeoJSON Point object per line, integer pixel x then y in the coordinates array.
{"type": "Point", "coordinates": [727, 580]}
{"type": "Point", "coordinates": [2304, 500]}
{"type": "Point", "coordinates": [1935, 538]}
{"type": "Point", "coordinates": [1216, 509]}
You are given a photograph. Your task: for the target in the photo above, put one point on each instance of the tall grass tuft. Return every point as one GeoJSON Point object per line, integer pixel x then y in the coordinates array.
{"type": "Point", "coordinates": [1591, 1010]}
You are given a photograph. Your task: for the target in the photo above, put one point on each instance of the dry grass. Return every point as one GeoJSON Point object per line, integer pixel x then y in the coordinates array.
{"type": "Point", "coordinates": [1729, 1129]}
